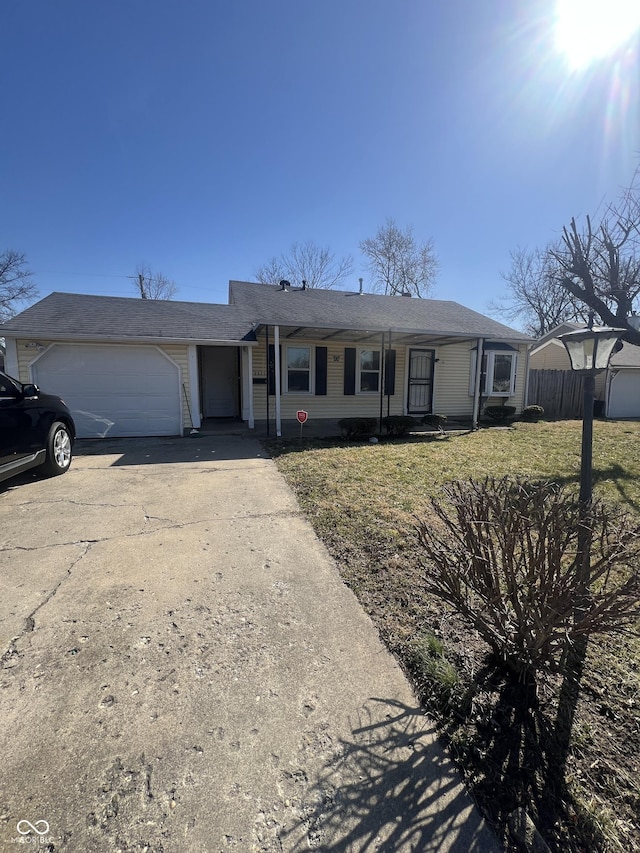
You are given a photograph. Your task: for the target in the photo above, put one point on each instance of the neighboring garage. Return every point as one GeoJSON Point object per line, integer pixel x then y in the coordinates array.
{"type": "Point", "coordinates": [114, 390]}
{"type": "Point", "coordinates": [624, 394]}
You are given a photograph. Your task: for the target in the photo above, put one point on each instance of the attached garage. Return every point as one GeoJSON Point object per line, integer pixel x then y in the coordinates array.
{"type": "Point", "coordinates": [624, 394]}
{"type": "Point", "coordinates": [114, 390]}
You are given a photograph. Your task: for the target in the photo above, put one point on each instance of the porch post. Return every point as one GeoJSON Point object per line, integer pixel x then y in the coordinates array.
{"type": "Point", "coordinates": [250, 382]}
{"type": "Point", "coordinates": [11, 359]}
{"type": "Point", "coordinates": [276, 350]}
{"type": "Point", "coordinates": [477, 391]}
{"type": "Point", "coordinates": [194, 386]}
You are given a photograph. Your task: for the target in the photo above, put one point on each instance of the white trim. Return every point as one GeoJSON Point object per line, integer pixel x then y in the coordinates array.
{"type": "Point", "coordinates": [475, 375]}
{"type": "Point", "coordinates": [312, 363]}
{"type": "Point", "coordinates": [155, 340]}
{"type": "Point", "coordinates": [554, 342]}
{"type": "Point", "coordinates": [194, 386]}
{"type": "Point", "coordinates": [249, 373]}
{"type": "Point", "coordinates": [491, 361]}
{"type": "Point", "coordinates": [11, 357]}
{"type": "Point", "coordinates": [475, 372]}
{"type": "Point", "coordinates": [359, 351]}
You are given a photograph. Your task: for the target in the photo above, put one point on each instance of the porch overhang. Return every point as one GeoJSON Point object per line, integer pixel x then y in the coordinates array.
{"type": "Point", "coordinates": [408, 337]}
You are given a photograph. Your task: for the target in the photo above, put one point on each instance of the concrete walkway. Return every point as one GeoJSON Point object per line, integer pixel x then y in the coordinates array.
{"type": "Point", "coordinates": [183, 670]}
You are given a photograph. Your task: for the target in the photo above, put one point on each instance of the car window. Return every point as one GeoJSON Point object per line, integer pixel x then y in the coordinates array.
{"type": "Point", "coordinates": [7, 387]}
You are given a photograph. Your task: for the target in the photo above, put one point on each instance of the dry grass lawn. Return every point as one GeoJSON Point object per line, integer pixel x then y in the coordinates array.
{"type": "Point", "coordinates": [363, 500]}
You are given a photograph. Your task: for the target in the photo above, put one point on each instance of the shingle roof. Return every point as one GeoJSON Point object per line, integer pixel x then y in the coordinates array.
{"type": "Point", "coordinates": [75, 316]}
{"type": "Point", "coordinates": [72, 315]}
{"type": "Point", "coordinates": [629, 356]}
{"type": "Point", "coordinates": [331, 309]}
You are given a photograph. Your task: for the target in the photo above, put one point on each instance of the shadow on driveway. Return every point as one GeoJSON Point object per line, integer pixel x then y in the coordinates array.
{"type": "Point", "coordinates": [386, 789]}
{"type": "Point", "coordinates": [160, 451]}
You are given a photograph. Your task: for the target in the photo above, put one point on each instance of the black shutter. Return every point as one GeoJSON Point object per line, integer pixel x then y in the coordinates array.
{"type": "Point", "coordinates": [349, 370]}
{"type": "Point", "coordinates": [390, 372]}
{"type": "Point", "coordinates": [321, 371]}
{"type": "Point", "coordinates": [271, 370]}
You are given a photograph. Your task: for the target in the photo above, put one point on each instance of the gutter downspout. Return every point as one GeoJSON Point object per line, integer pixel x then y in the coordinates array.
{"type": "Point", "coordinates": [475, 418]}
{"type": "Point", "coordinates": [276, 350]}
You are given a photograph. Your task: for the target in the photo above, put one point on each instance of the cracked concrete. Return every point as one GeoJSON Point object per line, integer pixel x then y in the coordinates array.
{"type": "Point", "coordinates": [184, 670]}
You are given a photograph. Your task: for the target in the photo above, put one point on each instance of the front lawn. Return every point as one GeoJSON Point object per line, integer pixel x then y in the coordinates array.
{"type": "Point", "coordinates": [363, 500]}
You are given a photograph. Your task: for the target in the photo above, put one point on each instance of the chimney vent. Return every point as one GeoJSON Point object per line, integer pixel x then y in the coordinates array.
{"type": "Point", "coordinates": [304, 284]}
{"type": "Point", "coordinates": [360, 280]}
{"type": "Point", "coordinates": [284, 284]}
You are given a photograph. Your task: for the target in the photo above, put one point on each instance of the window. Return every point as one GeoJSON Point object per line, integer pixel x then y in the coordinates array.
{"type": "Point", "coordinates": [498, 372]}
{"type": "Point", "coordinates": [298, 370]}
{"type": "Point", "coordinates": [369, 370]}
{"type": "Point", "coordinates": [500, 379]}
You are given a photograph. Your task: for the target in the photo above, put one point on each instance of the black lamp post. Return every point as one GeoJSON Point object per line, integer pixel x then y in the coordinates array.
{"type": "Point", "coordinates": [589, 351]}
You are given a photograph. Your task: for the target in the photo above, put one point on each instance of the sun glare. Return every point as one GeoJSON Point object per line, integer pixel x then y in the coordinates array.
{"type": "Point", "coordinates": [587, 30]}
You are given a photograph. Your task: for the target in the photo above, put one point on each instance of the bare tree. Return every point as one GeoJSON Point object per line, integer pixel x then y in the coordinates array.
{"type": "Point", "coordinates": [316, 265]}
{"type": "Point", "coordinates": [150, 285]}
{"type": "Point", "coordinates": [16, 284]}
{"type": "Point", "coordinates": [535, 299]}
{"type": "Point", "coordinates": [598, 264]}
{"type": "Point", "coordinates": [398, 263]}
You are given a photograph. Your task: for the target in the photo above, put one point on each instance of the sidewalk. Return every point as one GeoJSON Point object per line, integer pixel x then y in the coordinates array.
{"type": "Point", "coordinates": [185, 671]}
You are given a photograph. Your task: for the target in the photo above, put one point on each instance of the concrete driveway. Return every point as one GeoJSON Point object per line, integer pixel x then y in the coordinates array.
{"type": "Point", "coordinates": [183, 670]}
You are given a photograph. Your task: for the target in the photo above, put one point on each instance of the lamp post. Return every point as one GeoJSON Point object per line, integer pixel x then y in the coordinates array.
{"type": "Point", "coordinates": [589, 352]}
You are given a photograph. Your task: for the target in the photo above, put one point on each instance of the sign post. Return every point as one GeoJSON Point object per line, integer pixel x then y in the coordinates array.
{"type": "Point", "coordinates": [302, 417]}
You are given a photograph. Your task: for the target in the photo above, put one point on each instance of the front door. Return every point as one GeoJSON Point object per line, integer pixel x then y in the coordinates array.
{"type": "Point", "coordinates": [219, 369]}
{"type": "Point", "coordinates": [420, 399]}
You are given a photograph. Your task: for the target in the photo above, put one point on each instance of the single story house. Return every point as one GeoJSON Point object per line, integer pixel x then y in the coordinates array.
{"type": "Point", "coordinates": [618, 388]}
{"type": "Point", "coordinates": [131, 367]}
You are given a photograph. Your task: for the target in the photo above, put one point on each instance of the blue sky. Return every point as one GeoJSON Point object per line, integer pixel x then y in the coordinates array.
{"type": "Point", "coordinates": [202, 137]}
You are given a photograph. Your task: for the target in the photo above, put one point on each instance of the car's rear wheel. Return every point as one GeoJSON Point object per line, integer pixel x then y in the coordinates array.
{"type": "Point", "coordinates": [59, 450]}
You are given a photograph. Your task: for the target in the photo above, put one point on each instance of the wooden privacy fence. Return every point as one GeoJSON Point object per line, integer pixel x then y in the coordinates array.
{"type": "Point", "coordinates": [559, 392]}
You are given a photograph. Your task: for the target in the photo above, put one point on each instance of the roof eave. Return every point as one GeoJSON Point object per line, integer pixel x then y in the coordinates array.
{"type": "Point", "coordinates": [137, 339]}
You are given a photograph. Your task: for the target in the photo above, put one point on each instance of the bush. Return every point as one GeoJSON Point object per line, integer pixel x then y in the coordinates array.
{"type": "Point", "coordinates": [357, 428]}
{"type": "Point", "coordinates": [436, 421]}
{"type": "Point", "coordinates": [502, 553]}
{"type": "Point", "coordinates": [399, 424]}
{"type": "Point", "coordinates": [500, 413]}
{"type": "Point", "coordinates": [532, 413]}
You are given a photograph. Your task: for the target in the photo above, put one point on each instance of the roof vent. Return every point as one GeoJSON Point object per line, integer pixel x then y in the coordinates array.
{"type": "Point", "coordinates": [304, 284]}
{"type": "Point", "coordinates": [284, 284]}
{"type": "Point", "coordinates": [406, 293]}
{"type": "Point", "coordinates": [361, 290]}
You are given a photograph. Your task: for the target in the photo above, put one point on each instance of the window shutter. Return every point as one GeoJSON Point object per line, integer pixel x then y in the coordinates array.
{"type": "Point", "coordinates": [349, 371]}
{"type": "Point", "coordinates": [321, 371]}
{"type": "Point", "coordinates": [390, 372]}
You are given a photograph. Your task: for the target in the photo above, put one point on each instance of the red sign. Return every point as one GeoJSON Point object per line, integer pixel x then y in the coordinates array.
{"type": "Point", "coordinates": [302, 417]}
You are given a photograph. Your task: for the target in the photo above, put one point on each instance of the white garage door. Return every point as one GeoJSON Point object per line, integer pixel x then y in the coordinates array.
{"type": "Point", "coordinates": [114, 390]}
{"type": "Point", "coordinates": [624, 395]}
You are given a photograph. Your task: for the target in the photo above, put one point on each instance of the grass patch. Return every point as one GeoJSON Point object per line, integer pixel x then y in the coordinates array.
{"type": "Point", "coordinates": [363, 501]}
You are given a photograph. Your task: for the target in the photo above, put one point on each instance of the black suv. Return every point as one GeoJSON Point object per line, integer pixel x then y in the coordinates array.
{"type": "Point", "coordinates": [36, 430]}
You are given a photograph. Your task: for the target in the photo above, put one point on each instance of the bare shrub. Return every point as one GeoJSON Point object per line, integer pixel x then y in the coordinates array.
{"type": "Point", "coordinates": [503, 553]}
